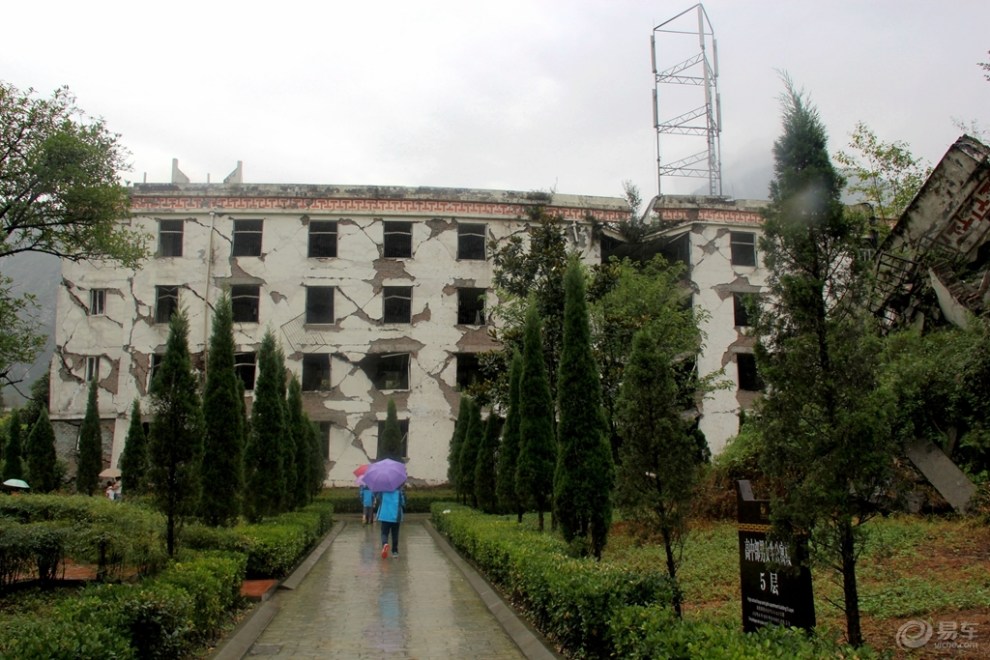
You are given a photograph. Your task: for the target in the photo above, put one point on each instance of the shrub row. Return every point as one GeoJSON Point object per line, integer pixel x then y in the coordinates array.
{"type": "Point", "coordinates": [418, 500]}
{"type": "Point", "coordinates": [572, 601]}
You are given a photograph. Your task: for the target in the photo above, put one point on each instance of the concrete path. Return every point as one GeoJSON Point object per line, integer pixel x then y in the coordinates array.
{"type": "Point", "coordinates": [427, 603]}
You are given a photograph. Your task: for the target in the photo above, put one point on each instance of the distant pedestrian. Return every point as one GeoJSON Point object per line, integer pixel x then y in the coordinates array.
{"type": "Point", "coordinates": [390, 509]}
{"type": "Point", "coordinates": [367, 504]}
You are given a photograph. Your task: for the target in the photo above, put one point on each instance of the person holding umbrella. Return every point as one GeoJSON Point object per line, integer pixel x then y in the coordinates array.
{"type": "Point", "coordinates": [392, 504]}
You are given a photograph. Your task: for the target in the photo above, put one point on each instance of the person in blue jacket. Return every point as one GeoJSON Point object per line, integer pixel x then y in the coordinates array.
{"type": "Point", "coordinates": [367, 503]}
{"type": "Point", "coordinates": [392, 504]}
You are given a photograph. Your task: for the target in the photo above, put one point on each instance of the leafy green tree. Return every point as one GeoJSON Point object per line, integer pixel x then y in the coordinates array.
{"type": "Point", "coordinates": [390, 444]}
{"type": "Point", "coordinates": [264, 464]}
{"type": "Point", "coordinates": [468, 459]}
{"type": "Point", "coordinates": [298, 423]}
{"type": "Point", "coordinates": [37, 400]}
{"type": "Point", "coordinates": [585, 473]}
{"type": "Point", "coordinates": [828, 448]}
{"type": "Point", "coordinates": [90, 462]}
{"type": "Point", "coordinates": [538, 447]}
{"type": "Point", "coordinates": [41, 460]}
{"type": "Point", "coordinates": [134, 458]}
{"type": "Point", "coordinates": [59, 194]}
{"type": "Point", "coordinates": [508, 454]}
{"type": "Point", "coordinates": [223, 414]}
{"type": "Point", "coordinates": [456, 441]}
{"type": "Point", "coordinates": [175, 439]}
{"type": "Point", "coordinates": [485, 464]}
{"type": "Point", "coordinates": [659, 461]}
{"type": "Point", "coordinates": [13, 464]}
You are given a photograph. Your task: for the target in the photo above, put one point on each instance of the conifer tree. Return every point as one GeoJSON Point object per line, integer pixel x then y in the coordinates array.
{"type": "Point", "coordinates": [317, 468]}
{"type": "Point", "coordinates": [287, 449]}
{"type": "Point", "coordinates": [473, 432]}
{"type": "Point", "coordinates": [585, 475]}
{"type": "Point", "coordinates": [264, 465]}
{"type": "Point", "coordinates": [13, 465]}
{"type": "Point", "coordinates": [454, 452]}
{"type": "Point", "coordinates": [390, 444]}
{"type": "Point", "coordinates": [134, 458]}
{"type": "Point", "coordinates": [537, 447]}
{"type": "Point", "coordinates": [508, 454]}
{"type": "Point", "coordinates": [41, 460]}
{"type": "Point", "coordinates": [90, 462]}
{"type": "Point", "coordinates": [484, 472]}
{"type": "Point", "coordinates": [175, 440]}
{"type": "Point", "coordinates": [298, 435]}
{"type": "Point", "coordinates": [223, 414]}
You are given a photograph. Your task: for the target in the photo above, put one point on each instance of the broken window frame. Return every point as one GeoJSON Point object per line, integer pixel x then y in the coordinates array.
{"type": "Point", "coordinates": [92, 368]}
{"type": "Point", "coordinates": [741, 303]}
{"type": "Point", "coordinates": [397, 239]}
{"type": "Point", "coordinates": [245, 302]}
{"type": "Point", "coordinates": [742, 248]}
{"type": "Point", "coordinates": [170, 238]}
{"type": "Point", "coordinates": [397, 304]}
{"type": "Point", "coordinates": [97, 302]}
{"type": "Point", "coordinates": [324, 439]}
{"type": "Point", "coordinates": [471, 239]}
{"type": "Point", "coordinates": [388, 371]}
{"type": "Point", "coordinates": [467, 314]}
{"type": "Point", "coordinates": [154, 366]}
{"type": "Point", "coordinates": [166, 302]}
{"type": "Point", "coordinates": [322, 239]}
{"type": "Point", "coordinates": [468, 370]}
{"type": "Point", "coordinates": [246, 368]}
{"type": "Point", "coordinates": [247, 238]}
{"type": "Point", "coordinates": [320, 311]}
{"type": "Point", "coordinates": [316, 372]}
{"type": "Point", "coordinates": [403, 429]}
{"type": "Point", "coordinates": [748, 377]}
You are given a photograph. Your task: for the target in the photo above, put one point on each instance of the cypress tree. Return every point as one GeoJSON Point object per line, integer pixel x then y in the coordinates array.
{"type": "Point", "coordinates": [175, 442]}
{"type": "Point", "coordinates": [223, 448]}
{"type": "Point", "coordinates": [13, 465]}
{"type": "Point", "coordinates": [469, 450]}
{"type": "Point", "coordinates": [41, 459]}
{"type": "Point", "coordinates": [585, 474]}
{"type": "Point", "coordinates": [390, 444]}
{"type": "Point", "coordinates": [537, 447]}
{"type": "Point", "coordinates": [454, 451]}
{"type": "Point", "coordinates": [134, 458]}
{"type": "Point", "coordinates": [484, 471]}
{"type": "Point", "coordinates": [263, 463]}
{"type": "Point", "coordinates": [90, 462]}
{"type": "Point", "coordinates": [297, 423]}
{"type": "Point", "coordinates": [508, 454]}
{"type": "Point", "coordinates": [317, 469]}
{"type": "Point", "coordinates": [286, 447]}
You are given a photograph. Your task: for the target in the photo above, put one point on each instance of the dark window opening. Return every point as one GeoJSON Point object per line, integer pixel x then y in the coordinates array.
{"type": "Point", "coordinates": [743, 248]}
{"type": "Point", "coordinates": [166, 303]}
{"type": "Point", "coordinates": [156, 363]}
{"type": "Point", "coordinates": [92, 368]}
{"type": "Point", "coordinates": [404, 429]}
{"type": "Point", "coordinates": [470, 241]}
{"type": "Point", "coordinates": [468, 370]}
{"type": "Point", "coordinates": [247, 238]}
{"type": "Point", "coordinates": [398, 240]}
{"type": "Point", "coordinates": [245, 365]}
{"type": "Point", "coordinates": [742, 303]}
{"type": "Point", "coordinates": [322, 238]}
{"type": "Point", "coordinates": [316, 372]}
{"type": "Point", "coordinates": [97, 302]}
{"type": "Point", "coordinates": [397, 306]}
{"type": "Point", "coordinates": [244, 302]}
{"type": "Point", "coordinates": [471, 307]}
{"type": "Point", "coordinates": [749, 378]}
{"type": "Point", "coordinates": [324, 439]}
{"type": "Point", "coordinates": [319, 304]}
{"type": "Point", "coordinates": [387, 371]}
{"type": "Point", "coordinates": [609, 246]}
{"type": "Point", "coordinates": [170, 238]}
{"type": "Point", "coordinates": [678, 250]}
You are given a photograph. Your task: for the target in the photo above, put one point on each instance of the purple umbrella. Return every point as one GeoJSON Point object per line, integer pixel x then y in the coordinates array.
{"type": "Point", "coordinates": [385, 475]}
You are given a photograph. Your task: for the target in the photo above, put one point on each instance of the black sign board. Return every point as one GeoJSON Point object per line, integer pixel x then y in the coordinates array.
{"type": "Point", "coordinates": [776, 584]}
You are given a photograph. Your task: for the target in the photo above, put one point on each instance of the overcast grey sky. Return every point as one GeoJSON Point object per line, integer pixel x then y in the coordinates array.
{"type": "Point", "coordinates": [537, 95]}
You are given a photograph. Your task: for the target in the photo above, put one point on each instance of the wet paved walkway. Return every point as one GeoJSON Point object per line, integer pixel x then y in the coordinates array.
{"type": "Point", "coordinates": [424, 604]}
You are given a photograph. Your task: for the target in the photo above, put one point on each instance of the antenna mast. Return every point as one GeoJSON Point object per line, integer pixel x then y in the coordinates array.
{"type": "Point", "coordinates": [699, 69]}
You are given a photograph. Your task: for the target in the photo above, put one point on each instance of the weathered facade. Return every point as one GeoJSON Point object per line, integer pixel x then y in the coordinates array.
{"type": "Point", "coordinates": [373, 293]}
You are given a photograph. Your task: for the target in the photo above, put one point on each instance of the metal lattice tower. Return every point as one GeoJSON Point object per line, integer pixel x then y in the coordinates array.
{"type": "Point", "coordinates": [699, 69]}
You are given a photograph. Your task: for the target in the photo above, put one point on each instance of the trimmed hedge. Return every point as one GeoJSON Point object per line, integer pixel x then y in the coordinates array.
{"type": "Point", "coordinates": [572, 601]}
{"type": "Point", "coordinates": [418, 499]}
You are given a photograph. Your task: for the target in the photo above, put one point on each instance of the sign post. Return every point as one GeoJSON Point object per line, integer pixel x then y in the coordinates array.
{"type": "Point", "coordinates": [776, 584]}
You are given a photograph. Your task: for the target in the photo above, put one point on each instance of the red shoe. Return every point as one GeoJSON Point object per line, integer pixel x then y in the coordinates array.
{"type": "Point", "coordinates": [385, 551]}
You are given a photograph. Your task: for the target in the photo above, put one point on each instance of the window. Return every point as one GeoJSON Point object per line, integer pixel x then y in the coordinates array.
{"type": "Point", "coordinates": [741, 303]}
{"type": "Point", "coordinates": [319, 304]}
{"type": "Point", "coordinates": [397, 307]}
{"type": "Point", "coordinates": [166, 303]}
{"type": "Point", "coordinates": [403, 428]}
{"type": "Point", "coordinates": [92, 368]}
{"type": "Point", "coordinates": [244, 365]}
{"type": "Point", "coordinates": [244, 299]}
{"type": "Point", "coordinates": [316, 372]}
{"type": "Point", "coordinates": [743, 247]}
{"type": "Point", "coordinates": [97, 302]}
{"type": "Point", "coordinates": [247, 238]}
{"type": "Point", "coordinates": [470, 241]}
{"type": "Point", "coordinates": [323, 238]}
{"type": "Point", "coordinates": [170, 238]}
{"type": "Point", "coordinates": [471, 306]}
{"type": "Point", "coordinates": [468, 370]}
{"type": "Point", "coordinates": [156, 363]}
{"type": "Point", "coordinates": [749, 379]}
{"type": "Point", "coordinates": [398, 240]}
{"type": "Point", "coordinates": [325, 439]}
{"type": "Point", "coordinates": [387, 371]}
